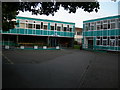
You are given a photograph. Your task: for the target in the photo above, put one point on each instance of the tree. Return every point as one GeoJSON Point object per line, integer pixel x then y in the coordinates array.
{"type": "Point", "coordinates": [11, 9]}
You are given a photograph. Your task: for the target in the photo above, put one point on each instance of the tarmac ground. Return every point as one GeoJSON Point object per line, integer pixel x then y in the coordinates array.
{"type": "Point", "coordinates": [66, 68]}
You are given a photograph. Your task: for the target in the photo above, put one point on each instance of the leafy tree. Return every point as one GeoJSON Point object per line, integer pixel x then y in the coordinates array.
{"type": "Point", "coordinates": [11, 9]}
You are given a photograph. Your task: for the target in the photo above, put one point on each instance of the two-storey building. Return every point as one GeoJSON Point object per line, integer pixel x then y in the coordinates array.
{"type": "Point", "coordinates": [33, 31]}
{"type": "Point", "coordinates": [102, 33]}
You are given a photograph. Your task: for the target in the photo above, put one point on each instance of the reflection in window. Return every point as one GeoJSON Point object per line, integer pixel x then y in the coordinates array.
{"type": "Point", "coordinates": [30, 26]}
{"type": "Point", "coordinates": [58, 28]}
{"type": "Point", "coordinates": [112, 25]}
{"type": "Point", "coordinates": [52, 27]}
{"type": "Point", "coordinates": [104, 42]}
{"type": "Point", "coordinates": [70, 29]}
{"type": "Point", "coordinates": [37, 26]}
{"type": "Point", "coordinates": [41, 25]}
{"type": "Point", "coordinates": [65, 28]}
{"type": "Point", "coordinates": [45, 27]}
{"type": "Point", "coordinates": [22, 25]}
{"type": "Point", "coordinates": [112, 42]}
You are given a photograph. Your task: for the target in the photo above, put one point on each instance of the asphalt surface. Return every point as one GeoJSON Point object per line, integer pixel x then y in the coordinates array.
{"type": "Point", "coordinates": [59, 69]}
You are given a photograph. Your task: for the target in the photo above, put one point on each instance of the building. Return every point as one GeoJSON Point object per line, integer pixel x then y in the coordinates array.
{"type": "Point", "coordinates": [102, 33]}
{"type": "Point", "coordinates": [33, 31]}
{"type": "Point", "coordinates": [78, 35]}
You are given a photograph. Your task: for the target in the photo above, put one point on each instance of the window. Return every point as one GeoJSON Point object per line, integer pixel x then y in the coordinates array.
{"type": "Point", "coordinates": [98, 27]}
{"type": "Point", "coordinates": [108, 24]}
{"type": "Point", "coordinates": [78, 33]}
{"type": "Point", "coordinates": [112, 41]}
{"type": "Point", "coordinates": [58, 28]}
{"type": "Point", "coordinates": [105, 21]}
{"type": "Point", "coordinates": [30, 26]}
{"type": "Point", "coordinates": [108, 41]}
{"type": "Point", "coordinates": [98, 41]}
{"type": "Point", "coordinates": [113, 20]}
{"type": "Point", "coordinates": [55, 26]}
{"type": "Point", "coordinates": [52, 27]}
{"type": "Point", "coordinates": [112, 25]}
{"type": "Point", "coordinates": [87, 26]}
{"type": "Point", "coordinates": [65, 28]}
{"type": "Point", "coordinates": [104, 41]}
{"type": "Point", "coordinates": [105, 26]}
{"type": "Point", "coordinates": [37, 26]}
{"type": "Point", "coordinates": [92, 26]}
{"type": "Point", "coordinates": [22, 25]}
{"type": "Point", "coordinates": [70, 29]}
{"type": "Point", "coordinates": [41, 25]}
{"type": "Point", "coordinates": [45, 27]}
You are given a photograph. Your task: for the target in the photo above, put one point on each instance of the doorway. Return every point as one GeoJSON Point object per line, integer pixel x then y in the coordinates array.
{"type": "Point", "coordinates": [90, 44]}
{"type": "Point", "coordinates": [54, 42]}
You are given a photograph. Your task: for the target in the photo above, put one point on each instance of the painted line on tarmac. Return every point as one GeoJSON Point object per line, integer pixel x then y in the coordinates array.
{"type": "Point", "coordinates": [7, 59]}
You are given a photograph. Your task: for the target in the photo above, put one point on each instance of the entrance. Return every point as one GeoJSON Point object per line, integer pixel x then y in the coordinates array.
{"type": "Point", "coordinates": [54, 42]}
{"type": "Point", "coordinates": [90, 44]}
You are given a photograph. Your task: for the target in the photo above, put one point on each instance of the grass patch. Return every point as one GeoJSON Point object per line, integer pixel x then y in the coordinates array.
{"type": "Point", "coordinates": [76, 46]}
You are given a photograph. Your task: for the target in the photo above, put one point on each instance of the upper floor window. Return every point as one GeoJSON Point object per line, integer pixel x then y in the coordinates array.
{"type": "Point", "coordinates": [45, 27]}
{"type": "Point", "coordinates": [22, 25]}
{"type": "Point", "coordinates": [92, 26]}
{"type": "Point", "coordinates": [87, 26]}
{"type": "Point", "coordinates": [52, 26]}
{"type": "Point", "coordinates": [64, 27]}
{"type": "Point", "coordinates": [58, 28]}
{"type": "Point", "coordinates": [30, 26]}
{"type": "Point", "coordinates": [70, 28]}
{"type": "Point", "coordinates": [37, 26]}
{"type": "Point", "coordinates": [78, 33]}
{"type": "Point", "coordinates": [41, 25]}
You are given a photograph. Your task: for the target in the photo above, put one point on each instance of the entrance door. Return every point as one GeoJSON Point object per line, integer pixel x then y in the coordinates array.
{"type": "Point", "coordinates": [90, 44]}
{"type": "Point", "coordinates": [54, 42]}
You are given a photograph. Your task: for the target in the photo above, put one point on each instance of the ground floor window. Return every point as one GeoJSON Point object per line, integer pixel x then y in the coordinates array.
{"type": "Point", "coordinates": [104, 41]}
{"type": "Point", "coordinates": [108, 41]}
{"type": "Point", "coordinates": [98, 40]}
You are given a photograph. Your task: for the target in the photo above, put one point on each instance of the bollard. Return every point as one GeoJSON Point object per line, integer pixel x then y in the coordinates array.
{"type": "Point", "coordinates": [44, 47]}
{"type": "Point", "coordinates": [22, 47]}
{"type": "Point", "coordinates": [7, 47]}
{"type": "Point", "coordinates": [57, 47]}
{"type": "Point", "coordinates": [35, 47]}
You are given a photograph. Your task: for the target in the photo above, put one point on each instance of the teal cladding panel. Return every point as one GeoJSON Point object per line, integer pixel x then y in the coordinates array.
{"type": "Point", "coordinates": [40, 32]}
{"type": "Point", "coordinates": [37, 32]}
{"type": "Point", "coordinates": [29, 31]}
{"type": "Point", "coordinates": [113, 32]}
{"type": "Point", "coordinates": [21, 31]}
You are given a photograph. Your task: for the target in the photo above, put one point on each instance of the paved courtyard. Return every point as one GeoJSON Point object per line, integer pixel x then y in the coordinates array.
{"type": "Point", "coordinates": [66, 68]}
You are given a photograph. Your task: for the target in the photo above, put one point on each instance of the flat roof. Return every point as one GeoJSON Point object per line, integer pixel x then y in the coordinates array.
{"type": "Point", "coordinates": [104, 18]}
{"type": "Point", "coordinates": [37, 19]}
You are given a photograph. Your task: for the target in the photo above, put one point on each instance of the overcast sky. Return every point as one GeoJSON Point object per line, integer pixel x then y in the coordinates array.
{"type": "Point", "coordinates": [107, 8]}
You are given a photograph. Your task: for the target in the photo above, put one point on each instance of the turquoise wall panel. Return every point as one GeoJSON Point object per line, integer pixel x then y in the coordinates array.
{"type": "Point", "coordinates": [58, 33]}
{"type": "Point", "coordinates": [45, 32]}
{"type": "Point", "coordinates": [26, 31]}
{"type": "Point", "coordinates": [29, 31]}
{"type": "Point", "coordinates": [38, 32]}
{"type": "Point", "coordinates": [21, 31]}
{"type": "Point", "coordinates": [13, 31]}
{"type": "Point", "coordinates": [104, 32]}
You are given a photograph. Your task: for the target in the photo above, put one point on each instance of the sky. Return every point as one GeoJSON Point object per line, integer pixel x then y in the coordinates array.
{"type": "Point", "coordinates": [107, 8]}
